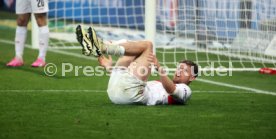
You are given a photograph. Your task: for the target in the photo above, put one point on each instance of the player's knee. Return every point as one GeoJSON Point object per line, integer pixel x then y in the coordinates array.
{"type": "Point", "coordinates": [41, 19]}
{"type": "Point", "coordinates": [22, 21]}
{"type": "Point", "coordinates": [149, 45]}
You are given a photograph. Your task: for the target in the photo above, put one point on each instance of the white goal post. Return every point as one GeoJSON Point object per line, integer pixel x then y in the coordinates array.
{"type": "Point", "coordinates": [209, 32]}
{"type": "Point", "coordinates": [150, 22]}
{"type": "Point", "coordinates": [35, 39]}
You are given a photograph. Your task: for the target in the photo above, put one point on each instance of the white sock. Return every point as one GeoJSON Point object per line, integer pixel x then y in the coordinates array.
{"type": "Point", "coordinates": [43, 41]}
{"type": "Point", "coordinates": [20, 38]}
{"type": "Point", "coordinates": [116, 50]}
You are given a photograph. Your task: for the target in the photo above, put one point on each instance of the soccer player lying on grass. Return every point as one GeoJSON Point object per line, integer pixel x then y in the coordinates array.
{"type": "Point", "coordinates": [128, 81]}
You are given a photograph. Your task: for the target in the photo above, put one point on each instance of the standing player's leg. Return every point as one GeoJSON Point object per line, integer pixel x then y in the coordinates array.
{"type": "Point", "coordinates": [40, 9]}
{"type": "Point", "coordinates": [43, 36]}
{"type": "Point", "coordinates": [23, 11]}
{"type": "Point", "coordinates": [21, 33]}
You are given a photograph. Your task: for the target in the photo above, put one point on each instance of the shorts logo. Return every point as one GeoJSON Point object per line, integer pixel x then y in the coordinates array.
{"type": "Point", "coordinates": [40, 3]}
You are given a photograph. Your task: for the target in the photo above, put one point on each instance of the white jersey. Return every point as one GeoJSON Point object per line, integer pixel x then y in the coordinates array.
{"type": "Point", "coordinates": [156, 94]}
{"type": "Point", "coordinates": [31, 6]}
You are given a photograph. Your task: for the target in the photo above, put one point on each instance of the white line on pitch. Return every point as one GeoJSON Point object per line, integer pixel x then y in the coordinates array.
{"type": "Point", "coordinates": [55, 51]}
{"type": "Point", "coordinates": [237, 87]}
{"type": "Point", "coordinates": [63, 91]}
{"type": "Point", "coordinates": [201, 80]}
{"type": "Point", "coordinates": [72, 54]}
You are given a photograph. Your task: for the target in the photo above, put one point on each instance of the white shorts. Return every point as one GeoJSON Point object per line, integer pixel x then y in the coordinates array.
{"type": "Point", "coordinates": [125, 88]}
{"type": "Point", "coordinates": [31, 6]}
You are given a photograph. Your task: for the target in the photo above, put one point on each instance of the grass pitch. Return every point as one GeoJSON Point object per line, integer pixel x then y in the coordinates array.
{"type": "Point", "coordinates": [33, 105]}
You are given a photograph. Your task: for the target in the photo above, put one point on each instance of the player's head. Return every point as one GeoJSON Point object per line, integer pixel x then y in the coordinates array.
{"type": "Point", "coordinates": [186, 72]}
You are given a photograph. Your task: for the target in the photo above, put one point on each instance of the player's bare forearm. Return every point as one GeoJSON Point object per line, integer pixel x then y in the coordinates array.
{"type": "Point", "coordinates": [165, 80]}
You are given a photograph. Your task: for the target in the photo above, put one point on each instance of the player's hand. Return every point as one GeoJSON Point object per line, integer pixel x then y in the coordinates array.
{"type": "Point", "coordinates": [153, 60]}
{"type": "Point", "coordinates": [105, 62]}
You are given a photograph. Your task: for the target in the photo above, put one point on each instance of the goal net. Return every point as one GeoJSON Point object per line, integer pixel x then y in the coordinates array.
{"type": "Point", "coordinates": [240, 34]}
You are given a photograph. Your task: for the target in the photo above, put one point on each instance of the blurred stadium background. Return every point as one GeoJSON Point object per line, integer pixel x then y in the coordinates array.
{"type": "Point", "coordinates": [213, 33]}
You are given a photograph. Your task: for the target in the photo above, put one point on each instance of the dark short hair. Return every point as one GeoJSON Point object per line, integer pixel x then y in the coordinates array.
{"type": "Point", "coordinates": [193, 65]}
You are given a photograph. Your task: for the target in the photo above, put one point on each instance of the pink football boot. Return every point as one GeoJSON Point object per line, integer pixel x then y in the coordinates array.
{"type": "Point", "coordinates": [15, 62]}
{"type": "Point", "coordinates": [39, 63]}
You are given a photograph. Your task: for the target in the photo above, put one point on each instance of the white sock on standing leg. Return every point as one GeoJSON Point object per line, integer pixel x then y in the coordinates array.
{"type": "Point", "coordinates": [43, 41]}
{"type": "Point", "coordinates": [20, 38]}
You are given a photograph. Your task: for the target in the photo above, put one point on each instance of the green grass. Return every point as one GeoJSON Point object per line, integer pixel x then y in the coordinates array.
{"type": "Point", "coordinates": [33, 105]}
